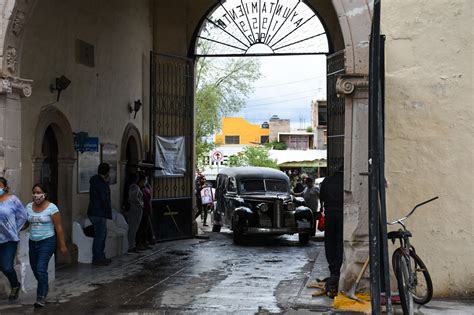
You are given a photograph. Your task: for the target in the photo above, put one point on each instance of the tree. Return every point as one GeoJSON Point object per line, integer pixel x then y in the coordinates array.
{"type": "Point", "coordinates": [253, 156]}
{"type": "Point", "coordinates": [276, 145]}
{"type": "Point", "coordinates": [222, 85]}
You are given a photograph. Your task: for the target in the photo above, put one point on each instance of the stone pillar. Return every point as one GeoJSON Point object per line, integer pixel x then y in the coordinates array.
{"type": "Point", "coordinates": [11, 90]}
{"type": "Point", "coordinates": [354, 87]}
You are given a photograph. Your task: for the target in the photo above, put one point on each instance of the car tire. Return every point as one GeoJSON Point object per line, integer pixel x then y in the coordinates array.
{"type": "Point", "coordinates": [216, 228]}
{"type": "Point", "coordinates": [304, 238]}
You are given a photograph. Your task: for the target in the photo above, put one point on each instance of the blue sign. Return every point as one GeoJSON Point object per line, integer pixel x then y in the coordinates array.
{"type": "Point", "coordinates": [91, 144]}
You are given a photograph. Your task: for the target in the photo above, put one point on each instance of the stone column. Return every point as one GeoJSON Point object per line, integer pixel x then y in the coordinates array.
{"type": "Point", "coordinates": [354, 88]}
{"type": "Point", "coordinates": [12, 89]}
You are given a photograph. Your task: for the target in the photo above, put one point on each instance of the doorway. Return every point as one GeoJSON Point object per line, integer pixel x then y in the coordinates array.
{"type": "Point", "coordinates": [49, 170]}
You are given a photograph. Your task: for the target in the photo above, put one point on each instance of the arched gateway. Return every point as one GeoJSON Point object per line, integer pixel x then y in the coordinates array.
{"type": "Point", "coordinates": [253, 28]}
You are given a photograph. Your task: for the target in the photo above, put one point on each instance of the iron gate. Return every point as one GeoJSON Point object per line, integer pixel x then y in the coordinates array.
{"type": "Point", "coordinates": [336, 117]}
{"type": "Point", "coordinates": [172, 99]}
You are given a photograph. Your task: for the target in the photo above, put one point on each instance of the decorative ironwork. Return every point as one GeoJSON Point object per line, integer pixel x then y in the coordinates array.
{"type": "Point", "coordinates": [172, 93]}
{"type": "Point", "coordinates": [336, 113]}
{"type": "Point", "coordinates": [262, 27]}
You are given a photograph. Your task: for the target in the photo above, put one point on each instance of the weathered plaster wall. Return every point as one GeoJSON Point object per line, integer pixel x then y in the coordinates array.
{"type": "Point", "coordinates": [97, 99]}
{"type": "Point", "coordinates": [429, 133]}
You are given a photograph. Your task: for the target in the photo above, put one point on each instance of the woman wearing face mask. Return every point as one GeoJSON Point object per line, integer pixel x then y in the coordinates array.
{"type": "Point", "coordinates": [45, 234]}
{"type": "Point", "coordinates": [12, 219]}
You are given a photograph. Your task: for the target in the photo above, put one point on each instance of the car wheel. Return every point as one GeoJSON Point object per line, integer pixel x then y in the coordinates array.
{"type": "Point", "coordinates": [216, 228]}
{"type": "Point", "coordinates": [304, 238]}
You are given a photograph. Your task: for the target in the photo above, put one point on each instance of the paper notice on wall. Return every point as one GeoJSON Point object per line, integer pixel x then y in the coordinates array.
{"type": "Point", "coordinates": [110, 156]}
{"type": "Point", "coordinates": [87, 163]}
{"type": "Point", "coordinates": [170, 156]}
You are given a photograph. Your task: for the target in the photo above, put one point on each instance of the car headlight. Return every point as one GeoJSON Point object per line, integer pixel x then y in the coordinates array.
{"type": "Point", "coordinates": [263, 207]}
{"type": "Point", "coordinates": [291, 206]}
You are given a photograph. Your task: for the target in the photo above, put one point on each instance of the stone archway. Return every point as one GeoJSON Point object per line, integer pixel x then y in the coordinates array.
{"type": "Point", "coordinates": [131, 152]}
{"type": "Point", "coordinates": [54, 121]}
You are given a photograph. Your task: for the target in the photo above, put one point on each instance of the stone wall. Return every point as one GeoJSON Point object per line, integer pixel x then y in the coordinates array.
{"type": "Point", "coordinates": [429, 133]}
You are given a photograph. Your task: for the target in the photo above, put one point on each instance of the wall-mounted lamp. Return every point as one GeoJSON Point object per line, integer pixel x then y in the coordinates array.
{"type": "Point", "coordinates": [136, 107]}
{"type": "Point", "coordinates": [60, 84]}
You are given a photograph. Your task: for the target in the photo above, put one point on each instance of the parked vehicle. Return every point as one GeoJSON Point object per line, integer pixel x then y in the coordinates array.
{"type": "Point", "coordinates": [257, 200]}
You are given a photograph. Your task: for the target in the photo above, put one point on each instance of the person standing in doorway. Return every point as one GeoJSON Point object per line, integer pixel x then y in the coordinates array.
{"type": "Point", "coordinates": [134, 214]}
{"type": "Point", "coordinates": [100, 209]}
{"type": "Point", "coordinates": [12, 218]}
{"type": "Point", "coordinates": [144, 230]}
{"type": "Point", "coordinates": [332, 199]}
{"type": "Point", "coordinates": [46, 233]}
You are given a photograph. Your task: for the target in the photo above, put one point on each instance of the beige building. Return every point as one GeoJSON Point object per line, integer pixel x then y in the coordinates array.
{"type": "Point", "coordinates": [103, 48]}
{"type": "Point", "coordinates": [319, 123]}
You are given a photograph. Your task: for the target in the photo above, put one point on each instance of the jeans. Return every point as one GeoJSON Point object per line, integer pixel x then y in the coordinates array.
{"type": "Point", "coordinates": [100, 236]}
{"type": "Point", "coordinates": [7, 260]}
{"type": "Point", "coordinates": [40, 254]}
{"type": "Point", "coordinates": [134, 218]}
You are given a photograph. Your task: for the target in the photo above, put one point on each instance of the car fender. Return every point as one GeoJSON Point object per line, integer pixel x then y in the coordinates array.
{"type": "Point", "coordinates": [242, 215]}
{"type": "Point", "coordinates": [303, 213]}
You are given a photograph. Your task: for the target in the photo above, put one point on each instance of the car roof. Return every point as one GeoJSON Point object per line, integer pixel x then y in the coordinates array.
{"type": "Point", "coordinates": [254, 172]}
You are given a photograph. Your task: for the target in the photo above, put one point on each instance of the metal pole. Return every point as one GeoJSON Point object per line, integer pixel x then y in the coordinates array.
{"type": "Point", "coordinates": [374, 159]}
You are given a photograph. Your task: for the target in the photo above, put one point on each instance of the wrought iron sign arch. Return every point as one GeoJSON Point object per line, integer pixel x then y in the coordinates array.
{"type": "Point", "coordinates": [261, 27]}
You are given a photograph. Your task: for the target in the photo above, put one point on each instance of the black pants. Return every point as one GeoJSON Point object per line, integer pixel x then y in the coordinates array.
{"type": "Point", "coordinates": [143, 230]}
{"type": "Point", "coordinates": [333, 240]}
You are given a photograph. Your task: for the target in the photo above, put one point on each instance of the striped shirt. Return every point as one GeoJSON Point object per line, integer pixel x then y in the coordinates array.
{"type": "Point", "coordinates": [42, 226]}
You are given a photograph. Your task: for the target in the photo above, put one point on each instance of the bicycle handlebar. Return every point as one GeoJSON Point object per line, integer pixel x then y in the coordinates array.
{"type": "Point", "coordinates": [411, 212]}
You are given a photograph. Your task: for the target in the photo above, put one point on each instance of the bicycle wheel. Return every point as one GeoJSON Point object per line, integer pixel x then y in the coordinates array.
{"type": "Point", "coordinates": [401, 267]}
{"type": "Point", "coordinates": [422, 284]}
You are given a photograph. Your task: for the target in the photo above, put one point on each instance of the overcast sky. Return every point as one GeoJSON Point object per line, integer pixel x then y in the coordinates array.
{"type": "Point", "coordinates": [287, 86]}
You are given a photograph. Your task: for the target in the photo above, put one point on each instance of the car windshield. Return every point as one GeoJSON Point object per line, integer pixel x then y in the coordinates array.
{"type": "Point", "coordinates": [259, 185]}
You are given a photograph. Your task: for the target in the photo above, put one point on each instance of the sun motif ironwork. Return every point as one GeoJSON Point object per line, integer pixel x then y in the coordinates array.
{"type": "Point", "coordinates": [262, 27]}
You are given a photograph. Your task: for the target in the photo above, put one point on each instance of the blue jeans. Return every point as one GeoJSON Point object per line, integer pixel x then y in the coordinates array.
{"type": "Point", "coordinates": [7, 260]}
{"type": "Point", "coordinates": [100, 235]}
{"type": "Point", "coordinates": [40, 254]}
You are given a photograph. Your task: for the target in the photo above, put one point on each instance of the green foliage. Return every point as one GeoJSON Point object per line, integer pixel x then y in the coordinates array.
{"type": "Point", "coordinates": [222, 85]}
{"type": "Point", "coordinates": [253, 156]}
{"type": "Point", "coordinates": [309, 129]}
{"type": "Point", "coordinates": [276, 145]}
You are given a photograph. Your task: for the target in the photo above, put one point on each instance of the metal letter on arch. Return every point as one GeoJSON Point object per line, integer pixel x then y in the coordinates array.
{"type": "Point", "coordinates": [262, 27]}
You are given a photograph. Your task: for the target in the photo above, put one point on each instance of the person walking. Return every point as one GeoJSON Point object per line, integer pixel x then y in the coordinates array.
{"type": "Point", "coordinates": [332, 199]}
{"type": "Point", "coordinates": [46, 234]}
{"type": "Point", "coordinates": [134, 214]}
{"type": "Point", "coordinates": [100, 209]}
{"type": "Point", "coordinates": [12, 218]}
{"type": "Point", "coordinates": [144, 231]}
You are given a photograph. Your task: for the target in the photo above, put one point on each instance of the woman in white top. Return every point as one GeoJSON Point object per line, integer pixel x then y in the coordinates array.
{"type": "Point", "coordinates": [45, 234]}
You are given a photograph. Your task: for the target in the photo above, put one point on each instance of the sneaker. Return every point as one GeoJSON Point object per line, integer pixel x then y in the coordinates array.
{"type": "Point", "coordinates": [108, 260]}
{"type": "Point", "coordinates": [102, 262]}
{"type": "Point", "coordinates": [40, 302]}
{"type": "Point", "coordinates": [15, 292]}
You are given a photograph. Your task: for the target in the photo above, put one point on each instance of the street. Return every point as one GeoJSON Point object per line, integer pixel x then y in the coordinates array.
{"type": "Point", "coordinates": [208, 275]}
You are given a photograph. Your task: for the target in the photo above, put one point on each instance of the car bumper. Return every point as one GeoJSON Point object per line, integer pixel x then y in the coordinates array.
{"type": "Point", "coordinates": [276, 231]}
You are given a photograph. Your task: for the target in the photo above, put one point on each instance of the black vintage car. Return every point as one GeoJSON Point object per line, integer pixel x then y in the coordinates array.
{"type": "Point", "coordinates": [257, 200]}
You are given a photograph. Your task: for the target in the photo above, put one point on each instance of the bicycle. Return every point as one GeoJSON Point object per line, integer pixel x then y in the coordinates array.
{"type": "Point", "coordinates": [413, 279]}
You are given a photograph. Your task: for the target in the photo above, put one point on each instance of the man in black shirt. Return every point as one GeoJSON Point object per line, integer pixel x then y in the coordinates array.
{"type": "Point", "coordinates": [332, 198]}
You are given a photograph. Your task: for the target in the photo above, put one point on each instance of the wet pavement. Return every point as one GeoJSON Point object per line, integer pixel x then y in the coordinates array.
{"type": "Point", "coordinates": [206, 275]}
{"type": "Point", "coordinates": [196, 276]}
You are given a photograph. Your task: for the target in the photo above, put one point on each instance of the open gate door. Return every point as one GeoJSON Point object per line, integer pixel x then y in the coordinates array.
{"type": "Point", "coordinates": [172, 99]}
{"type": "Point", "coordinates": [336, 110]}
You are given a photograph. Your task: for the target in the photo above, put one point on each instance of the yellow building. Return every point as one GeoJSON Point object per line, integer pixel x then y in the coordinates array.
{"type": "Point", "coordinates": [237, 130]}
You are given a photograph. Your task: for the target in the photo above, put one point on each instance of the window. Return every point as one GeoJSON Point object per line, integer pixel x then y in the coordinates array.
{"type": "Point", "coordinates": [322, 116]}
{"type": "Point", "coordinates": [298, 142]}
{"type": "Point", "coordinates": [264, 139]}
{"type": "Point", "coordinates": [231, 186]}
{"type": "Point", "coordinates": [253, 185]}
{"type": "Point", "coordinates": [276, 185]}
{"type": "Point", "coordinates": [232, 139]}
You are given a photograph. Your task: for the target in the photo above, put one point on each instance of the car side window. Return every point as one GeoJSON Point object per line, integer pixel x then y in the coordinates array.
{"type": "Point", "coordinates": [231, 185]}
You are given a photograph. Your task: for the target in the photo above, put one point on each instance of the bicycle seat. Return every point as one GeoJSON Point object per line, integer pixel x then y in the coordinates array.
{"type": "Point", "coordinates": [398, 234]}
